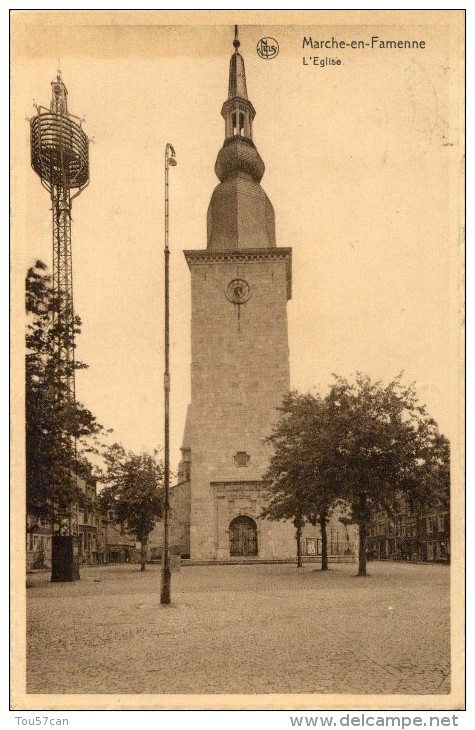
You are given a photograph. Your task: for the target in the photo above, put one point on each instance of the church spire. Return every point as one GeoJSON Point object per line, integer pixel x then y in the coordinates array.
{"type": "Point", "coordinates": [240, 214]}
{"type": "Point", "coordinates": [237, 110]}
{"type": "Point", "coordinates": [237, 73]}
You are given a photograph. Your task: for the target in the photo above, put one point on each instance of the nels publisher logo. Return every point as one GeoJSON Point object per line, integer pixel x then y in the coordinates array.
{"type": "Point", "coordinates": [267, 48]}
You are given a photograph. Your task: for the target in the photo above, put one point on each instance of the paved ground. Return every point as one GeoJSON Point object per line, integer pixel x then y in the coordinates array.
{"type": "Point", "coordinates": [242, 629]}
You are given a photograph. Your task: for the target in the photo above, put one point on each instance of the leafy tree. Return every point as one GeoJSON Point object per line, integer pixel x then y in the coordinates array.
{"type": "Point", "coordinates": [364, 444]}
{"type": "Point", "coordinates": [38, 400]}
{"type": "Point", "coordinates": [56, 436]}
{"type": "Point", "coordinates": [388, 447]}
{"type": "Point", "coordinates": [301, 476]}
{"type": "Point", "coordinates": [133, 492]}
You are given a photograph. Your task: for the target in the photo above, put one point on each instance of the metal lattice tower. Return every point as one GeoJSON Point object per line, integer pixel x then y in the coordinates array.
{"type": "Point", "coordinates": [60, 156]}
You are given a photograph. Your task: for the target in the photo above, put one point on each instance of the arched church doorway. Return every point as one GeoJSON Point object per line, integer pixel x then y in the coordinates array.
{"type": "Point", "coordinates": [242, 537]}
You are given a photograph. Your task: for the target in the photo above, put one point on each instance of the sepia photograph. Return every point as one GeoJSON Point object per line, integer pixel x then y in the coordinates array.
{"type": "Point", "coordinates": [237, 337]}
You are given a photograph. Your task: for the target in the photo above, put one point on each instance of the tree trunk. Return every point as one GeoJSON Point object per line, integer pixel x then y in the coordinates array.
{"type": "Point", "coordinates": [362, 549]}
{"type": "Point", "coordinates": [143, 550]}
{"type": "Point", "coordinates": [298, 536]}
{"type": "Point", "coordinates": [363, 528]}
{"type": "Point", "coordinates": [323, 529]}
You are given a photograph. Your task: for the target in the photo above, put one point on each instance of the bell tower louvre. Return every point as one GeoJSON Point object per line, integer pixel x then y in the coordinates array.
{"type": "Point", "coordinates": [240, 285]}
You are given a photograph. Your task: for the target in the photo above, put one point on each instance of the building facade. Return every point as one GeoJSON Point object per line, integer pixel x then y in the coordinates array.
{"type": "Point", "coordinates": [415, 536]}
{"type": "Point", "coordinates": [84, 523]}
{"type": "Point", "coordinates": [113, 544]}
{"type": "Point", "coordinates": [100, 540]}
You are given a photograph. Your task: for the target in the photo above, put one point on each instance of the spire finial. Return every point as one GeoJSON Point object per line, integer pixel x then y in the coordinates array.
{"type": "Point", "coordinates": [236, 42]}
{"type": "Point", "coordinates": [237, 75]}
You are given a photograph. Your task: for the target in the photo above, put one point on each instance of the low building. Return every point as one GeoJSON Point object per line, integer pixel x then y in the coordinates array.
{"type": "Point", "coordinates": [38, 543]}
{"type": "Point", "coordinates": [83, 522]}
{"type": "Point", "coordinates": [341, 540]}
{"type": "Point", "coordinates": [113, 544]}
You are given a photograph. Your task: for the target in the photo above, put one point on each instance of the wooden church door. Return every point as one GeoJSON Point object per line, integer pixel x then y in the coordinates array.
{"type": "Point", "coordinates": [243, 537]}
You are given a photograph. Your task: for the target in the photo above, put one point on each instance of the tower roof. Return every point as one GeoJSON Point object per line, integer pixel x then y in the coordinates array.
{"type": "Point", "coordinates": [237, 72]}
{"type": "Point", "coordinates": [240, 215]}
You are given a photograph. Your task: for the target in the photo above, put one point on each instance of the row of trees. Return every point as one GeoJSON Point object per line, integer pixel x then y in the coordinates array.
{"type": "Point", "coordinates": [363, 447]}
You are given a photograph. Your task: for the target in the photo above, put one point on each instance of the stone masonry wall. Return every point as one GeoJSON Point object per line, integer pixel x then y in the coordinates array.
{"type": "Point", "coordinates": [239, 373]}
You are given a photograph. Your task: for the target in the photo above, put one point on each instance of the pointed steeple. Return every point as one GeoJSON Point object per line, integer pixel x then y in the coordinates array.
{"type": "Point", "coordinates": [240, 214]}
{"type": "Point", "coordinates": [237, 72]}
{"type": "Point", "coordinates": [237, 110]}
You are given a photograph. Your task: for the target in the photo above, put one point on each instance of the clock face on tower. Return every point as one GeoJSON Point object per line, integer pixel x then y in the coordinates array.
{"type": "Point", "coordinates": [238, 291]}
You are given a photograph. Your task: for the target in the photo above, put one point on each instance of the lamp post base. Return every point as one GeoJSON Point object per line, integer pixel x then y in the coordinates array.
{"type": "Point", "coordinates": [166, 578]}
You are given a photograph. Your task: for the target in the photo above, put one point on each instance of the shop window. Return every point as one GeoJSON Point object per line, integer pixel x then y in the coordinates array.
{"type": "Point", "coordinates": [311, 546]}
{"type": "Point", "coordinates": [430, 550]}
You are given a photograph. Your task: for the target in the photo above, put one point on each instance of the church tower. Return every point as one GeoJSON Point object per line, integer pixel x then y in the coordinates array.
{"type": "Point", "coordinates": [240, 285]}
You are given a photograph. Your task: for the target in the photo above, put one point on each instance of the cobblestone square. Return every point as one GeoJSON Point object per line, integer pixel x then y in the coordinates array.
{"type": "Point", "coordinates": [241, 629]}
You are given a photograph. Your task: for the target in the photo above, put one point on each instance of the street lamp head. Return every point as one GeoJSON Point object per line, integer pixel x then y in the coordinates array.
{"type": "Point", "coordinates": [170, 154]}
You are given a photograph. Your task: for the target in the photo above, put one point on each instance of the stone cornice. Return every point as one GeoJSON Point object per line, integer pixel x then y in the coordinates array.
{"type": "Point", "coordinates": [200, 256]}
{"type": "Point", "coordinates": [235, 485]}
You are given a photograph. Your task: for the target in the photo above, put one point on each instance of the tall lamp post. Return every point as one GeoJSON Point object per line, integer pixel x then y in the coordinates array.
{"type": "Point", "coordinates": [166, 566]}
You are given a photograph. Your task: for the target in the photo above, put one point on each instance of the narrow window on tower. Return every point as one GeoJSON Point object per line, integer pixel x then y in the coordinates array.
{"type": "Point", "coordinates": [241, 123]}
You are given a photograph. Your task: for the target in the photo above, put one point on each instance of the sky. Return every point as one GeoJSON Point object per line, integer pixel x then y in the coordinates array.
{"type": "Point", "coordinates": [363, 168]}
